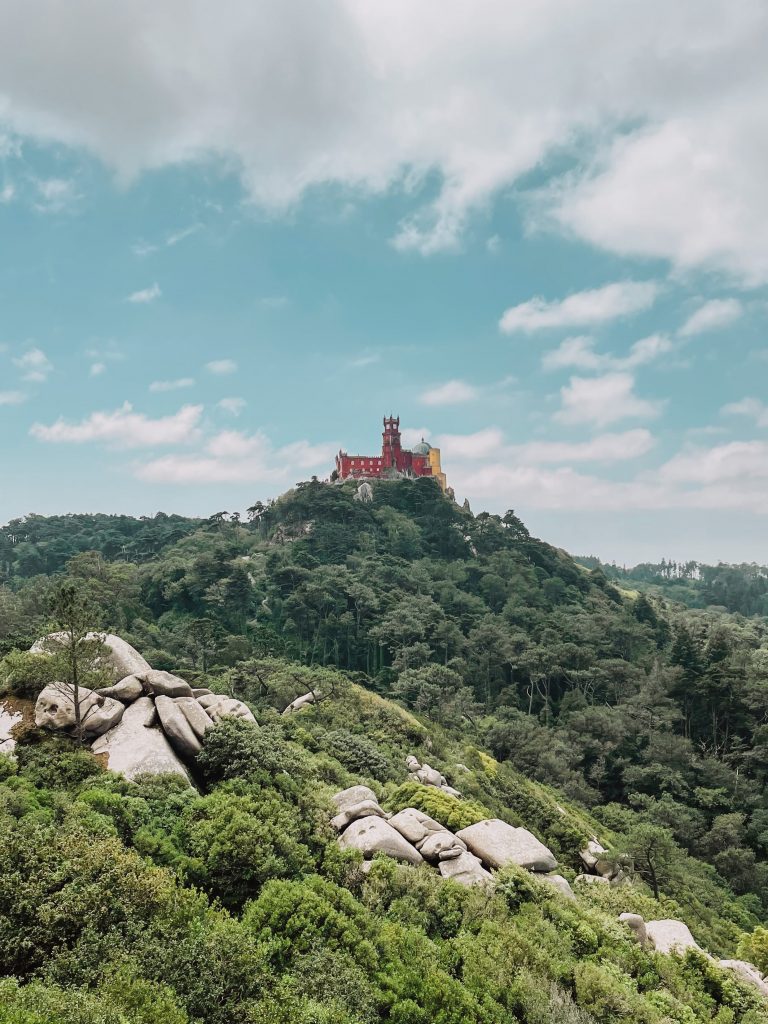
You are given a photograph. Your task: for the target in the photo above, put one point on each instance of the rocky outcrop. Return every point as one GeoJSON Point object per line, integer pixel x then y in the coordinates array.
{"type": "Point", "coordinates": [354, 803]}
{"type": "Point", "coordinates": [414, 825]}
{"type": "Point", "coordinates": [375, 835]}
{"type": "Point", "coordinates": [591, 880]}
{"type": "Point", "coordinates": [195, 715]}
{"type": "Point", "coordinates": [441, 846]}
{"type": "Point", "coordinates": [176, 727]}
{"type": "Point", "coordinates": [134, 747]}
{"type": "Point", "coordinates": [466, 869]}
{"type": "Point", "coordinates": [9, 719]}
{"type": "Point", "coordinates": [669, 936]}
{"type": "Point", "coordinates": [497, 844]}
{"type": "Point", "coordinates": [428, 776]}
{"type": "Point", "coordinates": [218, 706]}
{"type": "Point", "coordinates": [636, 925]}
{"type": "Point", "coordinates": [119, 657]}
{"type": "Point", "coordinates": [126, 690]}
{"type": "Point", "coordinates": [674, 937]}
{"type": "Point", "coordinates": [57, 708]}
{"type": "Point", "coordinates": [166, 719]}
{"type": "Point", "coordinates": [747, 972]}
{"type": "Point", "coordinates": [562, 885]}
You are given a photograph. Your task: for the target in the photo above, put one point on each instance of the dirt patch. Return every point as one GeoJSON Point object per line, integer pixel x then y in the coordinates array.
{"type": "Point", "coordinates": [15, 706]}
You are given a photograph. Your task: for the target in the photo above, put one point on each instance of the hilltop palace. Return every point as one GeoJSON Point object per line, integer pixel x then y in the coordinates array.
{"type": "Point", "coordinates": [394, 461]}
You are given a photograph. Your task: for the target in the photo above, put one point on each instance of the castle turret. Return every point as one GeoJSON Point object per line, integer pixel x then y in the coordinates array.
{"type": "Point", "coordinates": [391, 447]}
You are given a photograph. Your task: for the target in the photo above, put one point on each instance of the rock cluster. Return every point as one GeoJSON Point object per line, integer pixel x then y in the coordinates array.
{"type": "Point", "coordinates": [601, 867]}
{"type": "Point", "coordinates": [147, 721]}
{"type": "Point", "coordinates": [412, 836]}
{"type": "Point", "coordinates": [9, 719]}
{"type": "Point", "coordinates": [671, 936]}
{"type": "Point", "coordinates": [428, 776]}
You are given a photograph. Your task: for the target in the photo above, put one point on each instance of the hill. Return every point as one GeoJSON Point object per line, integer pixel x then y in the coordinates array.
{"type": "Point", "coordinates": [552, 698]}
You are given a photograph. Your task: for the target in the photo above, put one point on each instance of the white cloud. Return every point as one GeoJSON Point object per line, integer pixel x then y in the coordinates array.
{"type": "Point", "coordinates": [124, 428]}
{"type": "Point", "coordinates": [579, 353]}
{"type": "Point", "coordinates": [12, 397]}
{"type": "Point", "coordinates": [145, 295]}
{"type": "Point", "coordinates": [712, 315]}
{"type": "Point", "coordinates": [97, 369]}
{"type": "Point", "coordinates": [366, 359]}
{"type": "Point", "coordinates": [274, 301]}
{"type": "Point", "coordinates": [221, 367]}
{"type": "Point", "coordinates": [452, 392]}
{"type": "Point", "coordinates": [7, 192]}
{"type": "Point", "coordinates": [750, 407]}
{"type": "Point", "coordinates": [595, 306]}
{"type": "Point", "coordinates": [172, 385]}
{"type": "Point", "coordinates": [55, 195]}
{"type": "Point", "coordinates": [34, 364]}
{"type": "Point", "coordinates": [490, 444]}
{"type": "Point", "coordinates": [630, 444]}
{"type": "Point", "coordinates": [146, 248]}
{"type": "Point", "coordinates": [604, 400]}
{"type": "Point", "coordinates": [234, 457]}
{"type": "Point", "coordinates": [737, 460]}
{"type": "Point", "coordinates": [234, 406]}
{"type": "Point", "coordinates": [472, 446]}
{"type": "Point", "coordinates": [663, 109]}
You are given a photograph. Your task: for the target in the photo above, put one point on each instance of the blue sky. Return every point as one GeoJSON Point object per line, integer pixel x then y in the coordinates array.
{"type": "Point", "coordinates": [538, 235]}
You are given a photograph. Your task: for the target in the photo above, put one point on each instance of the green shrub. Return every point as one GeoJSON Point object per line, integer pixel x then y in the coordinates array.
{"type": "Point", "coordinates": [358, 754]}
{"type": "Point", "coordinates": [25, 674]}
{"type": "Point", "coordinates": [239, 749]}
{"type": "Point", "coordinates": [451, 811]}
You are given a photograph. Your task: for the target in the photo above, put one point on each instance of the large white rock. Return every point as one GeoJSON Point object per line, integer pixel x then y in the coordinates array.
{"type": "Point", "coordinates": [347, 798]}
{"type": "Point", "coordinates": [669, 936]}
{"type": "Point", "coordinates": [126, 690]}
{"type": "Point", "coordinates": [747, 972]}
{"type": "Point", "coordinates": [195, 715]}
{"type": "Point", "coordinates": [561, 884]}
{"type": "Point", "coordinates": [217, 706]}
{"type": "Point", "coordinates": [8, 720]}
{"type": "Point", "coordinates": [176, 727]}
{"type": "Point", "coordinates": [56, 707]}
{"type": "Point", "coordinates": [364, 809]}
{"type": "Point", "coordinates": [374, 835]}
{"type": "Point", "coordinates": [591, 854]}
{"type": "Point", "coordinates": [119, 657]}
{"type": "Point", "coordinates": [497, 844]}
{"type": "Point", "coordinates": [165, 684]}
{"type": "Point", "coordinates": [414, 825]}
{"type": "Point", "coordinates": [591, 880]}
{"type": "Point", "coordinates": [134, 748]}
{"type": "Point", "coordinates": [637, 926]}
{"type": "Point", "coordinates": [441, 846]}
{"type": "Point", "coordinates": [465, 869]}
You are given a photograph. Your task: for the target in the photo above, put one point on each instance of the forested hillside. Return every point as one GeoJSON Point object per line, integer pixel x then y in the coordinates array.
{"type": "Point", "coordinates": [737, 588]}
{"type": "Point", "coordinates": [569, 702]}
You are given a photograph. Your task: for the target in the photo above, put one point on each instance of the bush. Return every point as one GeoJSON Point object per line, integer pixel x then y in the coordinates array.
{"type": "Point", "coordinates": [450, 811]}
{"type": "Point", "coordinates": [358, 754]}
{"type": "Point", "coordinates": [239, 749]}
{"type": "Point", "coordinates": [25, 674]}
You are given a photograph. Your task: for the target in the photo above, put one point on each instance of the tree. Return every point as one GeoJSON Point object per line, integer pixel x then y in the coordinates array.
{"type": "Point", "coordinates": [652, 850]}
{"type": "Point", "coordinates": [73, 616]}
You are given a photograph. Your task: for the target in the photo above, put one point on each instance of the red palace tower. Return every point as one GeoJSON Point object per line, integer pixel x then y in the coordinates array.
{"type": "Point", "coordinates": [422, 460]}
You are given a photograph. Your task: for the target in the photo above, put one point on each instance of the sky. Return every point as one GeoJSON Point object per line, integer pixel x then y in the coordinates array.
{"type": "Point", "coordinates": [234, 237]}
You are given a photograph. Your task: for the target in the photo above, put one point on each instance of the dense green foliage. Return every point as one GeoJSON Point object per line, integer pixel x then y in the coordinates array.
{"type": "Point", "coordinates": [607, 711]}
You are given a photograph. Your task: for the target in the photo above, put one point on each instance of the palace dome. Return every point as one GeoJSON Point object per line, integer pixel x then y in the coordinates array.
{"type": "Point", "coordinates": [422, 448]}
